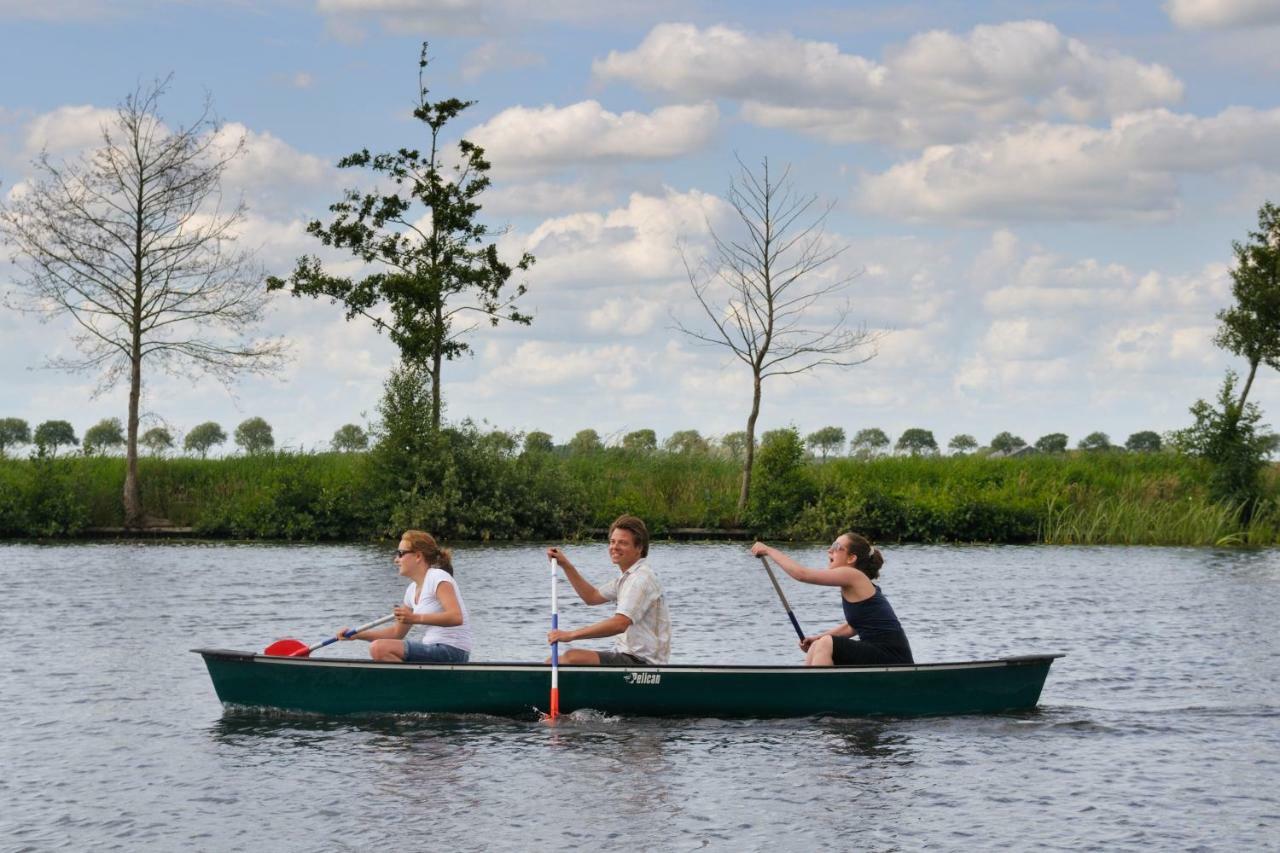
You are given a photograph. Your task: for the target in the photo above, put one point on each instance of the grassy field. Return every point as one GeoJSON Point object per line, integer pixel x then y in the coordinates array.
{"type": "Point", "coordinates": [1079, 498]}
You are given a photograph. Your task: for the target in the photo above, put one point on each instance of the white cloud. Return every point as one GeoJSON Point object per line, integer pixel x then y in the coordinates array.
{"type": "Point", "coordinates": [540, 139]}
{"type": "Point", "coordinates": [635, 243]}
{"type": "Point", "coordinates": [937, 87]}
{"type": "Point", "coordinates": [1222, 14]}
{"type": "Point", "coordinates": [1129, 170]}
{"type": "Point", "coordinates": [67, 129]}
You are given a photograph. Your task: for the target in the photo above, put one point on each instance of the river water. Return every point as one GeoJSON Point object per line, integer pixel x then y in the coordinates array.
{"type": "Point", "coordinates": [1160, 729]}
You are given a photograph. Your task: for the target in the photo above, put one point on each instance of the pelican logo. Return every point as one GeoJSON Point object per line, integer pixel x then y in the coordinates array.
{"type": "Point", "coordinates": [642, 678]}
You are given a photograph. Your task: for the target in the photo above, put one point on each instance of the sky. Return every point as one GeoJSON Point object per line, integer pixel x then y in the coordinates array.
{"type": "Point", "coordinates": [1035, 201]}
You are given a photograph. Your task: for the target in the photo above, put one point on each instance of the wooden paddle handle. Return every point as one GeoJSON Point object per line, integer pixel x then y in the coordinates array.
{"type": "Point", "coordinates": [795, 623]}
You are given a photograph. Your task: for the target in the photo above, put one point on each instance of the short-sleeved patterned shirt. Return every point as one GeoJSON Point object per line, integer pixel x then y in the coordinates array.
{"type": "Point", "coordinates": [639, 597]}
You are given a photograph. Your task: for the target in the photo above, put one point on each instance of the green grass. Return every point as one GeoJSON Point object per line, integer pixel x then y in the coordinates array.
{"type": "Point", "coordinates": [1077, 498]}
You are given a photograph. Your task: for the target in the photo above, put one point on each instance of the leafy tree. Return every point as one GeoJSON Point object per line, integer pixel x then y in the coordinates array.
{"type": "Point", "coordinates": [497, 442]}
{"type": "Point", "coordinates": [13, 431]}
{"type": "Point", "coordinates": [766, 294]}
{"type": "Point", "coordinates": [1054, 442]}
{"type": "Point", "coordinates": [350, 437]}
{"type": "Point", "coordinates": [106, 434]}
{"type": "Point", "coordinates": [1234, 440]}
{"type": "Point", "coordinates": [917, 442]}
{"type": "Point", "coordinates": [585, 441]}
{"type": "Point", "coordinates": [1146, 441]}
{"type": "Point", "coordinates": [735, 444]}
{"type": "Point", "coordinates": [51, 435]}
{"type": "Point", "coordinates": [538, 442]}
{"type": "Point", "coordinates": [157, 440]}
{"type": "Point", "coordinates": [132, 242]}
{"type": "Point", "coordinates": [686, 441]}
{"type": "Point", "coordinates": [254, 436]}
{"type": "Point", "coordinates": [203, 438]}
{"type": "Point", "coordinates": [1095, 441]}
{"type": "Point", "coordinates": [962, 444]}
{"type": "Point", "coordinates": [641, 440]}
{"type": "Point", "coordinates": [1007, 442]}
{"type": "Point", "coordinates": [826, 440]}
{"type": "Point", "coordinates": [431, 275]}
{"type": "Point", "coordinates": [869, 442]}
{"type": "Point", "coordinates": [784, 488]}
{"type": "Point", "coordinates": [1251, 327]}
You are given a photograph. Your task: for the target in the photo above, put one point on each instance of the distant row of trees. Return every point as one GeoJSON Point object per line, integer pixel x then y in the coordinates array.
{"type": "Point", "coordinates": [253, 436]}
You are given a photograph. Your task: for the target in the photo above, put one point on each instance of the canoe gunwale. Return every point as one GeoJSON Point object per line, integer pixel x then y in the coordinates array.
{"type": "Point", "coordinates": [523, 666]}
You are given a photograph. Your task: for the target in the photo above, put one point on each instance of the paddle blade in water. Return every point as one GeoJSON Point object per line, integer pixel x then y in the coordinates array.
{"type": "Point", "coordinates": [287, 648]}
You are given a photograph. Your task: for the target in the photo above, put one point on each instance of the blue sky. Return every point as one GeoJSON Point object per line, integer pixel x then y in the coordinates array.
{"type": "Point", "coordinates": [1038, 199]}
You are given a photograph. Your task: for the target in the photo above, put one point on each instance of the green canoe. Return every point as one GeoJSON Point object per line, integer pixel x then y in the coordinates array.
{"type": "Point", "coordinates": [342, 686]}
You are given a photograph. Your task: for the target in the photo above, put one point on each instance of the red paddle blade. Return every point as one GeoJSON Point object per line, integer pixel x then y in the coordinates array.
{"type": "Point", "coordinates": [287, 648]}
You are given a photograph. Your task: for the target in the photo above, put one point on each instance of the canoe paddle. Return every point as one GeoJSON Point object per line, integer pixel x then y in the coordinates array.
{"type": "Point", "coordinates": [290, 648]}
{"type": "Point", "coordinates": [778, 589]}
{"type": "Point", "coordinates": [555, 648]}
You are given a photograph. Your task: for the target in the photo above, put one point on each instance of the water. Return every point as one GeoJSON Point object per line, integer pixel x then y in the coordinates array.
{"type": "Point", "coordinates": [1158, 730]}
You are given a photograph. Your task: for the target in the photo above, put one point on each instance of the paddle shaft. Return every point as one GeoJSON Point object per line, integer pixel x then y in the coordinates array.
{"type": "Point", "coordinates": [555, 647]}
{"type": "Point", "coordinates": [782, 596]}
{"type": "Point", "coordinates": [390, 617]}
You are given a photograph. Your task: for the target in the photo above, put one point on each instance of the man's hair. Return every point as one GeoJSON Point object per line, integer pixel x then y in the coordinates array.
{"type": "Point", "coordinates": [636, 528]}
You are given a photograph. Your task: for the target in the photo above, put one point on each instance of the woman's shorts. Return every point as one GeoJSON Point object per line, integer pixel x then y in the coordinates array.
{"type": "Point", "coordinates": [417, 652]}
{"type": "Point", "coordinates": [846, 651]}
{"type": "Point", "coordinates": [621, 659]}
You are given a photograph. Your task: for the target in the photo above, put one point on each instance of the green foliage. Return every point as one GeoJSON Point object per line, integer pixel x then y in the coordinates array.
{"type": "Point", "coordinates": [1251, 327]}
{"type": "Point", "coordinates": [13, 431]}
{"type": "Point", "coordinates": [426, 278]}
{"type": "Point", "coordinates": [686, 441]}
{"type": "Point", "coordinates": [825, 441]}
{"type": "Point", "coordinates": [963, 443]}
{"type": "Point", "coordinates": [1145, 441]}
{"type": "Point", "coordinates": [51, 435]}
{"type": "Point", "coordinates": [157, 440]}
{"type": "Point", "coordinates": [254, 436]}
{"type": "Point", "coordinates": [1007, 442]}
{"type": "Point", "coordinates": [1095, 441]}
{"type": "Point", "coordinates": [106, 434]}
{"type": "Point", "coordinates": [203, 438]}
{"type": "Point", "coordinates": [43, 496]}
{"type": "Point", "coordinates": [350, 437]}
{"type": "Point", "coordinates": [1234, 441]}
{"type": "Point", "coordinates": [734, 444]}
{"type": "Point", "coordinates": [868, 442]}
{"type": "Point", "coordinates": [917, 442]}
{"type": "Point", "coordinates": [782, 485]}
{"type": "Point", "coordinates": [585, 441]}
{"type": "Point", "coordinates": [641, 441]}
{"type": "Point", "coordinates": [1054, 442]}
{"type": "Point", "coordinates": [538, 442]}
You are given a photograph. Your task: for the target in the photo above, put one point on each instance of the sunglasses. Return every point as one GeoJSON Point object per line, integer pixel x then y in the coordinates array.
{"type": "Point", "coordinates": [400, 552]}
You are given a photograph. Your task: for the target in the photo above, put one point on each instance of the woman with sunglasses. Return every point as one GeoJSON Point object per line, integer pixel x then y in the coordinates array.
{"type": "Point", "coordinates": [852, 564]}
{"type": "Point", "coordinates": [432, 599]}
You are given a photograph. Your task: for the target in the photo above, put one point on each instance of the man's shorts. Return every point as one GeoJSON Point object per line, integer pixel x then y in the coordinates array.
{"type": "Point", "coordinates": [621, 659]}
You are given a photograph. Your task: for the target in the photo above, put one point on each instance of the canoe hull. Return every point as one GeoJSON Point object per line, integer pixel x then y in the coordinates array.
{"type": "Point", "coordinates": [346, 687]}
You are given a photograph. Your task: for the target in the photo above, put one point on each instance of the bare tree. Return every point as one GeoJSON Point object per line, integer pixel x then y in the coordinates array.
{"type": "Point", "coordinates": [131, 240]}
{"type": "Point", "coordinates": [763, 290]}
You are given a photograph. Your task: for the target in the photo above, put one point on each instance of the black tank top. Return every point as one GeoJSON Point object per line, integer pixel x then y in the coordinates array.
{"type": "Point", "coordinates": [875, 622]}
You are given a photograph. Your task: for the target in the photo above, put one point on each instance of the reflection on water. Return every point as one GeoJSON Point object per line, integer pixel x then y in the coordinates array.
{"type": "Point", "coordinates": [1164, 707]}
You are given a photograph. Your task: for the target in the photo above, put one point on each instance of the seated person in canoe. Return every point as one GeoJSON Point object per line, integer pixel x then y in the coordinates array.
{"type": "Point", "coordinates": [853, 564]}
{"type": "Point", "coordinates": [640, 620]}
{"type": "Point", "coordinates": [432, 599]}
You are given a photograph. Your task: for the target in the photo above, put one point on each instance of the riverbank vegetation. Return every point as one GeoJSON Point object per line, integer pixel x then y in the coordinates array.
{"type": "Point", "coordinates": [482, 486]}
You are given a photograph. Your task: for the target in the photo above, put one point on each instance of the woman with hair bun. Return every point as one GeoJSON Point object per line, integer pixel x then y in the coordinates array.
{"type": "Point", "coordinates": [432, 599]}
{"type": "Point", "coordinates": [852, 564]}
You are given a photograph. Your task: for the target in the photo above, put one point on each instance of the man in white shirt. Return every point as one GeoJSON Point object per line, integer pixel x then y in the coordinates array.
{"type": "Point", "coordinates": [640, 621]}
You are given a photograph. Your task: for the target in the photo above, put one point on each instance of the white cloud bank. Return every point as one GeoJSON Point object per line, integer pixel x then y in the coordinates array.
{"type": "Point", "coordinates": [540, 139]}
{"type": "Point", "coordinates": [937, 87]}
{"type": "Point", "coordinates": [1127, 170]}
